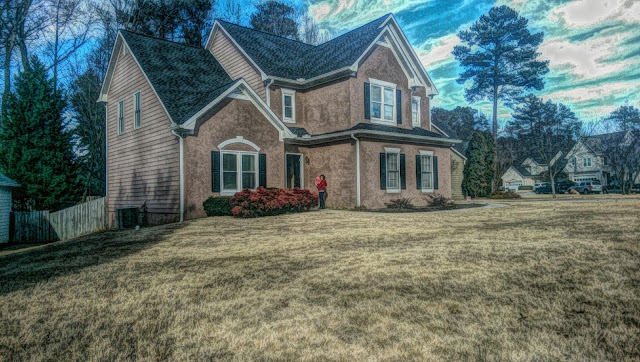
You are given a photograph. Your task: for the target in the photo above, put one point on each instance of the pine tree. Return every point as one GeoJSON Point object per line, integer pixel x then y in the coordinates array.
{"type": "Point", "coordinates": [478, 170]}
{"type": "Point", "coordinates": [37, 150]}
{"type": "Point", "coordinates": [276, 18]}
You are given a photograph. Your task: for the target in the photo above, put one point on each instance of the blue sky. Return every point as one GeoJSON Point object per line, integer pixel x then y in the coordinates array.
{"type": "Point", "coordinates": [593, 45]}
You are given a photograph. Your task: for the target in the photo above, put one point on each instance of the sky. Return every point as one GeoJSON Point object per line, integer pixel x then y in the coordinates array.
{"type": "Point", "coordinates": [593, 45]}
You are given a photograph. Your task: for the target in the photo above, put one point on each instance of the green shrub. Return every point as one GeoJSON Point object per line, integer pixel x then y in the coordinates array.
{"type": "Point", "coordinates": [504, 195]}
{"type": "Point", "coordinates": [217, 206]}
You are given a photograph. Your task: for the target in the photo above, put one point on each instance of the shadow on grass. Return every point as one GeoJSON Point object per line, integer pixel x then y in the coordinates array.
{"type": "Point", "coordinates": [26, 269]}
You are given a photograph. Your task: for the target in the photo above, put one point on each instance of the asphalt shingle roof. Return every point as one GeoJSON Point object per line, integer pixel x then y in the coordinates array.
{"type": "Point", "coordinates": [5, 181]}
{"type": "Point", "coordinates": [186, 78]}
{"type": "Point", "coordinates": [291, 59]}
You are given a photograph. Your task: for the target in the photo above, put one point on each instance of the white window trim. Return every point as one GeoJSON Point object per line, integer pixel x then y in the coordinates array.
{"type": "Point", "coordinates": [238, 139]}
{"type": "Point", "coordinates": [134, 109]}
{"type": "Point", "coordinates": [292, 93]}
{"type": "Point", "coordinates": [430, 154]}
{"type": "Point", "coordinates": [381, 83]}
{"type": "Point", "coordinates": [415, 122]}
{"type": "Point", "coordinates": [118, 118]}
{"type": "Point", "coordinates": [395, 151]}
{"type": "Point", "coordinates": [226, 192]}
{"type": "Point", "coordinates": [301, 168]}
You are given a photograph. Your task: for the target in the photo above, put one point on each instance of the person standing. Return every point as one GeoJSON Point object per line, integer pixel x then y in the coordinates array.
{"type": "Point", "coordinates": [322, 186]}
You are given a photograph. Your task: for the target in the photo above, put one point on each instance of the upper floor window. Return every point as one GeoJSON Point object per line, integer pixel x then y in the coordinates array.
{"type": "Point", "coordinates": [289, 105]}
{"type": "Point", "coordinates": [586, 161]}
{"type": "Point", "coordinates": [383, 101]}
{"type": "Point", "coordinates": [415, 111]}
{"type": "Point", "coordinates": [136, 113]}
{"type": "Point", "coordinates": [120, 117]}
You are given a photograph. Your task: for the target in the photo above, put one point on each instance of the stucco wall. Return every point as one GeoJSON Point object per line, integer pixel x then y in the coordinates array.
{"type": "Point", "coordinates": [371, 194]}
{"type": "Point", "coordinates": [5, 209]}
{"type": "Point", "coordinates": [235, 118]}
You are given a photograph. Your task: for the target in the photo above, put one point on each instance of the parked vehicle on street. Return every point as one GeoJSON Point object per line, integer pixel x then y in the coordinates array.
{"type": "Point", "coordinates": [562, 187]}
{"type": "Point", "coordinates": [587, 187]}
{"type": "Point", "coordinates": [544, 188]}
{"type": "Point", "coordinates": [538, 185]}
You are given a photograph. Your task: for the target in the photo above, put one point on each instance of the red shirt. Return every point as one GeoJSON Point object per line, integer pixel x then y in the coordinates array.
{"type": "Point", "coordinates": [322, 185]}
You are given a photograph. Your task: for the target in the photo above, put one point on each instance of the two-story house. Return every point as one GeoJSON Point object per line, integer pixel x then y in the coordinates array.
{"type": "Point", "coordinates": [252, 109]}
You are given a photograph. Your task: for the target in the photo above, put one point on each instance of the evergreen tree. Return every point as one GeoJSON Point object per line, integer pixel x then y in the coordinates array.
{"type": "Point", "coordinates": [462, 121]}
{"type": "Point", "coordinates": [478, 170]}
{"type": "Point", "coordinates": [499, 58]}
{"type": "Point", "coordinates": [627, 118]}
{"type": "Point", "coordinates": [276, 18]}
{"type": "Point", "coordinates": [36, 148]}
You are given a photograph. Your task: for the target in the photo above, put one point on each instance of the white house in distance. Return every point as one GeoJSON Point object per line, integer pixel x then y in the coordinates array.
{"type": "Point", "coordinates": [6, 184]}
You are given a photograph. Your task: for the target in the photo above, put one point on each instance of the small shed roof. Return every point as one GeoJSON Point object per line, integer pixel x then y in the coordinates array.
{"type": "Point", "coordinates": [7, 182]}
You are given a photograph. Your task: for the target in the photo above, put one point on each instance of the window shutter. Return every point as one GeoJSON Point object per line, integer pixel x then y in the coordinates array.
{"type": "Point", "coordinates": [367, 105]}
{"type": "Point", "coordinates": [403, 174]}
{"type": "Point", "coordinates": [383, 171]}
{"type": "Point", "coordinates": [399, 105]}
{"type": "Point", "coordinates": [435, 172]}
{"type": "Point", "coordinates": [215, 171]}
{"type": "Point", "coordinates": [262, 170]}
{"type": "Point", "coordinates": [418, 172]}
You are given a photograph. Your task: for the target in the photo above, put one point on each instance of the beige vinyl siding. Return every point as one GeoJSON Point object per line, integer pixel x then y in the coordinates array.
{"type": "Point", "coordinates": [143, 164]}
{"type": "Point", "coordinates": [5, 209]}
{"type": "Point", "coordinates": [236, 64]}
{"type": "Point", "coordinates": [457, 168]}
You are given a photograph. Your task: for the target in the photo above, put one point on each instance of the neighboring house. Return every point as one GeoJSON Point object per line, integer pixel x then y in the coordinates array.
{"type": "Point", "coordinates": [6, 186]}
{"type": "Point", "coordinates": [458, 160]}
{"type": "Point", "coordinates": [252, 109]}
{"type": "Point", "coordinates": [587, 160]}
{"type": "Point", "coordinates": [529, 171]}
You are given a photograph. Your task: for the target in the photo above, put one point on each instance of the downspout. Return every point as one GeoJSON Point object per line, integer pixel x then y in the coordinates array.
{"type": "Point", "coordinates": [181, 140]}
{"type": "Point", "coordinates": [269, 93]}
{"type": "Point", "coordinates": [357, 169]}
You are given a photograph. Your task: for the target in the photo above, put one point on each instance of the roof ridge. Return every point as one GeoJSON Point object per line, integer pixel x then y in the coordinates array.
{"type": "Point", "coordinates": [160, 39]}
{"type": "Point", "coordinates": [354, 29]}
{"type": "Point", "coordinates": [264, 32]}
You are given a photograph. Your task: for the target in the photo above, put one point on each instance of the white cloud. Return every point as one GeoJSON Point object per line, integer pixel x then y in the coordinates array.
{"type": "Point", "coordinates": [348, 14]}
{"type": "Point", "coordinates": [439, 52]}
{"type": "Point", "coordinates": [586, 59]}
{"type": "Point", "coordinates": [582, 94]}
{"type": "Point", "coordinates": [584, 13]}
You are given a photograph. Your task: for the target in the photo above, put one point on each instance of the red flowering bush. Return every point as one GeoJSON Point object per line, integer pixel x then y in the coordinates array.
{"type": "Point", "coordinates": [266, 202]}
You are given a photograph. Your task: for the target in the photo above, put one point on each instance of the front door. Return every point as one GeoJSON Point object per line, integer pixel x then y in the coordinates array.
{"type": "Point", "coordinates": [294, 171]}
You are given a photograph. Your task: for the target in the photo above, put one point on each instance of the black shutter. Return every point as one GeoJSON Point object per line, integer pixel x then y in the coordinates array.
{"type": "Point", "coordinates": [419, 172]}
{"type": "Point", "coordinates": [215, 171]}
{"type": "Point", "coordinates": [367, 106]}
{"type": "Point", "coordinates": [262, 170]}
{"type": "Point", "coordinates": [435, 172]}
{"type": "Point", "coordinates": [383, 171]}
{"type": "Point", "coordinates": [403, 174]}
{"type": "Point", "coordinates": [399, 105]}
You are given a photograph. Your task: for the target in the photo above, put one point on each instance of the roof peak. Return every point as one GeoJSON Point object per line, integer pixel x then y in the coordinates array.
{"type": "Point", "coordinates": [263, 32]}
{"type": "Point", "coordinates": [160, 39]}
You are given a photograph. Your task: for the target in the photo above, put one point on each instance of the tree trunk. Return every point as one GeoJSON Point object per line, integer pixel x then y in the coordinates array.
{"type": "Point", "coordinates": [7, 76]}
{"type": "Point", "coordinates": [553, 185]}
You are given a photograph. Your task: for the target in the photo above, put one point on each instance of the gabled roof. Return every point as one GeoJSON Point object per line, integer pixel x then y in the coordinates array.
{"type": "Point", "coordinates": [595, 142]}
{"type": "Point", "coordinates": [7, 182]}
{"type": "Point", "coordinates": [293, 60]}
{"type": "Point", "coordinates": [522, 171]}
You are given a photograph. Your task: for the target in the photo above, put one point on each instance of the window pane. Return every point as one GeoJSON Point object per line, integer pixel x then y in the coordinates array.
{"type": "Point", "coordinates": [388, 112]}
{"type": "Point", "coordinates": [414, 106]}
{"type": "Point", "coordinates": [388, 96]}
{"type": "Point", "coordinates": [287, 101]}
{"type": "Point", "coordinates": [375, 110]}
{"type": "Point", "coordinates": [229, 181]}
{"type": "Point", "coordinates": [392, 161]}
{"type": "Point", "coordinates": [229, 162]}
{"type": "Point", "coordinates": [393, 180]}
{"type": "Point", "coordinates": [248, 163]}
{"type": "Point", "coordinates": [287, 112]}
{"type": "Point", "coordinates": [426, 180]}
{"type": "Point", "coordinates": [426, 163]}
{"type": "Point", "coordinates": [248, 180]}
{"type": "Point", "coordinates": [376, 93]}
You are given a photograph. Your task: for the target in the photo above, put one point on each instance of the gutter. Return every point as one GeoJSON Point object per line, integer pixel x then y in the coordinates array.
{"type": "Point", "coordinates": [357, 169]}
{"type": "Point", "coordinates": [181, 138]}
{"type": "Point", "coordinates": [388, 136]}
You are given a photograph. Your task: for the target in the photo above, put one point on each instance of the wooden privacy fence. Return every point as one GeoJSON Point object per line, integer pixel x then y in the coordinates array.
{"type": "Point", "coordinates": [43, 226]}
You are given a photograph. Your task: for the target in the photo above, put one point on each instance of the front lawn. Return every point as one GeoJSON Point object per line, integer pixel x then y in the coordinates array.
{"type": "Point", "coordinates": [538, 280]}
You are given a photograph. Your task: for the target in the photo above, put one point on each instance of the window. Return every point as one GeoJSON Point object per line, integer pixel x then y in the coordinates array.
{"type": "Point", "coordinates": [586, 161]}
{"type": "Point", "coordinates": [383, 96]}
{"type": "Point", "coordinates": [426, 160]}
{"type": "Point", "coordinates": [393, 170]}
{"type": "Point", "coordinates": [289, 105]}
{"type": "Point", "coordinates": [239, 171]}
{"type": "Point", "coordinates": [120, 117]}
{"type": "Point", "coordinates": [573, 162]}
{"type": "Point", "coordinates": [136, 112]}
{"type": "Point", "coordinates": [415, 111]}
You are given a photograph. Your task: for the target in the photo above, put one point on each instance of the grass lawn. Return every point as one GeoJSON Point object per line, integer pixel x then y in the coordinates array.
{"type": "Point", "coordinates": [537, 280]}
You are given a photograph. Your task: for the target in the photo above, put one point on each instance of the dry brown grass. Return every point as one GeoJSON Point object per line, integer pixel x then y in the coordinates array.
{"type": "Point", "coordinates": [534, 281]}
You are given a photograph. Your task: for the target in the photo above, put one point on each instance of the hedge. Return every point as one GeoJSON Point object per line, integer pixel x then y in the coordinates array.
{"type": "Point", "coordinates": [217, 206]}
{"type": "Point", "coordinates": [265, 202]}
